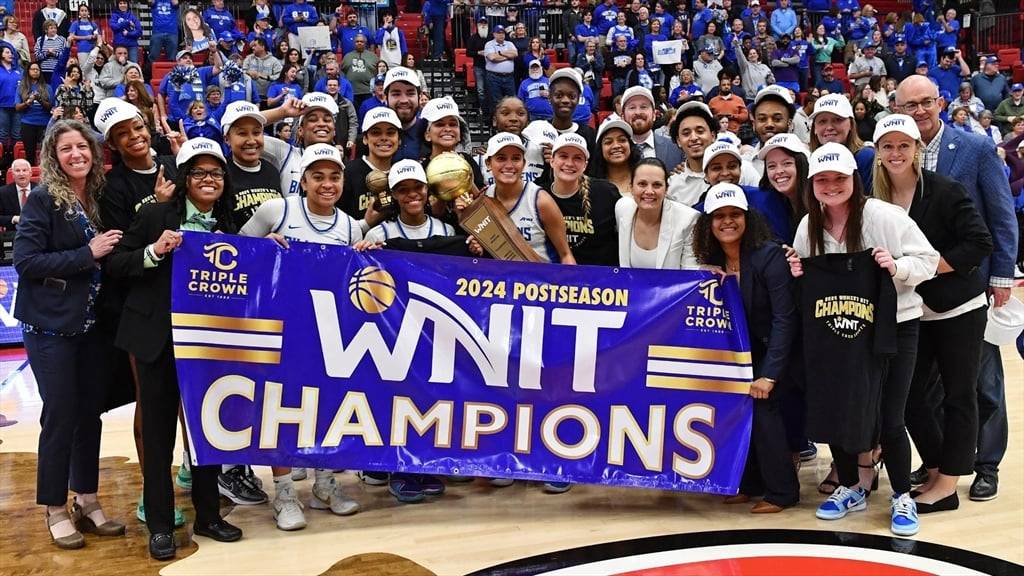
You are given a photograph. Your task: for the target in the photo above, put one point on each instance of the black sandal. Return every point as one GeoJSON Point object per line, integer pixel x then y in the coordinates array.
{"type": "Point", "coordinates": [877, 466]}
{"type": "Point", "coordinates": [827, 486]}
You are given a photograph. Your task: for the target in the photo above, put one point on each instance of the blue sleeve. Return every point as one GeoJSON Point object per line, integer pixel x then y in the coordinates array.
{"type": "Point", "coordinates": [401, 42]}
{"type": "Point", "coordinates": [164, 88]}
{"type": "Point", "coordinates": [779, 284]}
{"type": "Point", "coordinates": [346, 88]}
{"type": "Point", "coordinates": [523, 93]}
{"type": "Point", "coordinates": [997, 200]}
{"type": "Point", "coordinates": [31, 257]}
{"type": "Point", "coordinates": [865, 159]}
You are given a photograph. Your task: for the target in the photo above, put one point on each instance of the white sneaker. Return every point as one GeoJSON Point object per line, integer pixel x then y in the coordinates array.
{"type": "Point", "coordinates": [298, 474]}
{"type": "Point", "coordinates": [330, 496]}
{"type": "Point", "coordinates": [288, 510]}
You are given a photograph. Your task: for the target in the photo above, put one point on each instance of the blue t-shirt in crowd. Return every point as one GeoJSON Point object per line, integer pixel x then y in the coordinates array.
{"type": "Point", "coordinates": [9, 86]}
{"type": "Point", "coordinates": [165, 17]}
{"type": "Point", "coordinates": [219, 20]}
{"type": "Point", "coordinates": [180, 98]}
{"type": "Point", "coordinates": [535, 94]}
{"type": "Point", "coordinates": [83, 28]}
{"type": "Point", "coordinates": [36, 115]}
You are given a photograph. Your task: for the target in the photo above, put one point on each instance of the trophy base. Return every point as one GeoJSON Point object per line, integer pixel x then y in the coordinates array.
{"type": "Point", "coordinates": [487, 220]}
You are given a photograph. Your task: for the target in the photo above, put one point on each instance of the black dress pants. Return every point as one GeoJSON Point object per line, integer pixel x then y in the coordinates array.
{"type": "Point", "coordinates": [769, 470]}
{"type": "Point", "coordinates": [946, 437]}
{"type": "Point", "coordinates": [72, 375]}
{"type": "Point", "coordinates": [158, 383]}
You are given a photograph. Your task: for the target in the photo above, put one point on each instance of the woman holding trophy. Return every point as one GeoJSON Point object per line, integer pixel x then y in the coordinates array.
{"type": "Point", "coordinates": [364, 176]}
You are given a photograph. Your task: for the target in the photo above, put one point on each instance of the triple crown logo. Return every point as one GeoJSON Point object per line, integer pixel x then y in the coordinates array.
{"type": "Point", "coordinates": [222, 255]}
{"type": "Point", "coordinates": [709, 290]}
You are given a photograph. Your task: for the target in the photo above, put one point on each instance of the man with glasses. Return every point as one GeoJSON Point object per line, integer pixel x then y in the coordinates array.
{"type": "Point", "coordinates": [971, 160]}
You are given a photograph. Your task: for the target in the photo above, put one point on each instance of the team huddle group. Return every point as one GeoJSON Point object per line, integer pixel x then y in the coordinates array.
{"type": "Point", "coordinates": [927, 208]}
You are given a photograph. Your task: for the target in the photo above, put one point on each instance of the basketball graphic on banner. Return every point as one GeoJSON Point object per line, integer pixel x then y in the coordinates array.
{"type": "Point", "coordinates": [371, 290]}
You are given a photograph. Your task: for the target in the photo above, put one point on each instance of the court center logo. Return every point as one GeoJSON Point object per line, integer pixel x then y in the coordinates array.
{"type": "Point", "coordinates": [709, 315]}
{"type": "Point", "coordinates": [222, 255]}
{"type": "Point", "coordinates": [846, 316]}
{"type": "Point", "coordinates": [372, 290]}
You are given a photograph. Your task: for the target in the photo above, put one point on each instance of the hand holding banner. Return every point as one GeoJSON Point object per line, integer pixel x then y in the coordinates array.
{"type": "Point", "coordinates": [324, 357]}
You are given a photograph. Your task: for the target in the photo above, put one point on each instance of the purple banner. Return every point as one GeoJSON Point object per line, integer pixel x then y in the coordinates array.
{"type": "Point", "coordinates": [320, 356]}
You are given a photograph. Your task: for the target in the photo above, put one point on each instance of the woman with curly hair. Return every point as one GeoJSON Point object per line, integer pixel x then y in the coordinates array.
{"type": "Point", "coordinates": [144, 257]}
{"type": "Point", "coordinates": [58, 253]}
{"type": "Point", "coordinates": [738, 240]}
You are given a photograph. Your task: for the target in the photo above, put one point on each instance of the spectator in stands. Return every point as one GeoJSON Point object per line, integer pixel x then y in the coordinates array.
{"type": "Point", "coordinates": [948, 76]}
{"type": "Point", "coordinates": [34, 103]}
{"type": "Point", "coordinates": [1011, 108]}
{"type": "Point", "coordinates": [989, 85]}
{"type": "Point", "coordinates": [260, 10]}
{"type": "Point", "coordinates": [436, 17]}
{"type": "Point", "coordinates": [126, 29]}
{"type": "Point", "coordinates": [753, 72]}
{"type": "Point", "coordinates": [900, 63]}
{"type": "Point", "coordinates": [135, 93]}
{"type": "Point", "coordinates": [641, 75]}
{"type": "Point", "coordinates": [83, 31]}
{"type": "Point", "coordinates": [50, 50]}
{"type": "Point", "coordinates": [16, 39]}
{"type": "Point", "coordinates": [823, 45]}
{"type": "Point", "coordinates": [390, 41]}
{"type": "Point", "coordinates": [219, 19]}
{"type": "Point", "coordinates": [621, 57]}
{"type": "Point", "coordinates": [164, 39]}
{"type": "Point", "coordinates": [199, 124]}
{"type": "Point", "coordinates": [360, 66]}
{"type": "Point", "coordinates": [262, 29]}
{"type": "Point", "coordinates": [132, 73]}
{"type": "Point", "coordinates": [862, 113]}
{"type": "Point", "coordinates": [10, 120]}
{"type": "Point", "coordinates": [686, 87]}
{"type": "Point", "coordinates": [534, 92]}
{"type": "Point", "coordinates": [294, 58]}
{"type": "Point", "coordinates": [729, 110]}
{"type": "Point", "coordinates": [184, 84]}
{"type": "Point", "coordinates": [475, 47]}
{"type": "Point", "coordinates": [49, 12]}
{"type": "Point", "coordinates": [866, 65]}
{"type": "Point", "coordinates": [297, 15]}
{"type": "Point", "coordinates": [347, 34]}
{"type": "Point", "coordinates": [261, 66]}
{"type": "Point", "coordinates": [74, 91]}
{"type": "Point", "coordinates": [92, 68]}
{"type": "Point", "coordinates": [828, 82]}
{"type": "Point", "coordinates": [948, 28]}
{"type": "Point", "coordinates": [501, 56]}
{"type": "Point", "coordinates": [987, 129]}
{"type": "Point", "coordinates": [711, 41]}
{"type": "Point", "coordinates": [591, 63]}
{"type": "Point", "coordinates": [802, 118]}
{"type": "Point", "coordinates": [706, 69]}
{"type": "Point", "coordinates": [785, 62]}
{"type": "Point", "coordinates": [921, 38]}
{"type": "Point", "coordinates": [966, 99]}
{"type": "Point", "coordinates": [1016, 129]}
{"type": "Point", "coordinates": [783, 20]}
{"type": "Point", "coordinates": [58, 244]}
{"type": "Point", "coordinates": [606, 15]}
{"type": "Point", "coordinates": [285, 87]}
{"type": "Point", "coordinates": [111, 75]}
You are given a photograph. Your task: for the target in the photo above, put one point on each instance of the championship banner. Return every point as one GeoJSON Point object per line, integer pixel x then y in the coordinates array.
{"type": "Point", "coordinates": [323, 357]}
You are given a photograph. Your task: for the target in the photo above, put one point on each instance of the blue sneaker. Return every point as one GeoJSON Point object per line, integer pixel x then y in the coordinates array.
{"type": "Point", "coordinates": [140, 513]}
{"type": "Point", "coordinates": [904, 515]}
{"type": "Point", "coordinates": [405, 488]}
{"type": "Point", "coordinates": [841, 502]}
{"type": "Point", "coordinates": [557, 487]}
{"type": "Point", "coordinates": [431, 485]}
{"type": "Point", "coordinates": [810, 452]}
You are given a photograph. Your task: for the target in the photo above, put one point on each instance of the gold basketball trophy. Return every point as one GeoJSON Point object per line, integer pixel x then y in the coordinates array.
{"type": "Point", "coordinates": [377, 185]}
{"type": "Point", "coordinates": [450, 176]}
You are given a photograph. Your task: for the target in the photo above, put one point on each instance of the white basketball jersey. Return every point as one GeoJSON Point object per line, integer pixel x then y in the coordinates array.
{"type": "Point", "coordinates": [396, 229]}
{"type": "Point", "coordinates": [527, 219]}
{"type": "Point", "coordinates": [299, 224]}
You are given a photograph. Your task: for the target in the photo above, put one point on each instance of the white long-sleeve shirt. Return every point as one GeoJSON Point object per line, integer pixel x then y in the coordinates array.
{"type": "Point", "coordinates": [889, 226]}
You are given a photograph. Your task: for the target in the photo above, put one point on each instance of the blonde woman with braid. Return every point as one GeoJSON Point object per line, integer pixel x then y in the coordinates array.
{"type": "Point", "coordinates": [587, 204]}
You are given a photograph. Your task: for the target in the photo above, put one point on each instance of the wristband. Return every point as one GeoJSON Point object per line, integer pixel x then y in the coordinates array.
{"type": "Point", "coordinates": [151, 252]}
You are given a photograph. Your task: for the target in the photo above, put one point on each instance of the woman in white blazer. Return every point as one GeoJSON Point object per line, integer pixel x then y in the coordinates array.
{"type": "Point", "coordinates": [654, 233]}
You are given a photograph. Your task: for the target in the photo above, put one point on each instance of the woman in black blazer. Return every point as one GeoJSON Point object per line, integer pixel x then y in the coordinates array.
{"type": "Point", "coordinates": [953, 324]}
{"type": "Point", "coordinates": [144, 257]}
{"type": "Point", "coordinates": [739, 241]}
{"type": "Point", "coordinates": [57, 253]}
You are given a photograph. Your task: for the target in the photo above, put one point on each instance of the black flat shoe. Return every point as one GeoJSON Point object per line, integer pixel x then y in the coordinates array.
{"type": "Point", "coordinates": [951, 502]}
{"type": "Point", "coordinates": [219, 530]}
{"type": "Point", "coordinates": [161, 546]}
{"type": "Point", "coordinates": [919, 476]}
{"type": "Point", "coordinates": [984, 488]}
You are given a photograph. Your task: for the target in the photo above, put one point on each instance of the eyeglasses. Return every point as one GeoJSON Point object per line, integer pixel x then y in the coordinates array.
{"type": "Point", "coordinates": [913, 107]}
{"type": "Point", "coordinates": [200, 174]}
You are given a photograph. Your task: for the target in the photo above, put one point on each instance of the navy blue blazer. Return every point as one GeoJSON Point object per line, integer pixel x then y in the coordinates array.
{"type": "Point", "coordinates": [772, 321]}
{"type": "Point", "coordinates": [54, 265]}
{"type": "Point", "coordinates": [667, 151]}
{"type": "Point", "coordinates": [971, 160]}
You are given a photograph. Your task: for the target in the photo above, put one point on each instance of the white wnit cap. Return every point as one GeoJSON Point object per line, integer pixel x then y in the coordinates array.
{"type": "Point", "coordinates": [378, 115]}
{"type": "Point", "coordinates": [614, 121]}
{"type": "Point", "coordinates": [314, 100]}
{"type": "Point", "coordinates": [406, 170]}
{"type": "Point", "coordinates": [690, 105]}
{"type": "Point", "coordinates": [724, 194]}
{"type": "Point", "coordinates": [837, 104]}
{"type": "Point", "coordinates": [503, 140]}
{"type": "Point", "coordinates": [719, 148]}
{"type": "Point", "coordinates": [774, 91]}
{"type": "Point", "coordinates": [401, 74]}
{"type": "Point", "coordinates": [438, 108]}
{"type": "Point", "coordinates": [786, 141]}
{"type": "Point", "coordinates": [832, 157]}
{"type": "Point", "coordinates": [197, 147]}
{"type": "Point", "coordinates": [237, 110]}
{"type": "Point", "coordinates": [540, 132]}
{"type": "Point", "coordinates": [1005, 323]}
{"type": "Point", "coordinates": [112, 111]}
{"type": "Point", "coordinates": [571, 140]}
{"type": "Point", "coordinates": [637, 91]}
{"type": "Point", "coordinates": [318, 152]}
{"type": "Point", "coordinates": [897, 123]}
{"type": "Point", "coordinates": [569, 73]}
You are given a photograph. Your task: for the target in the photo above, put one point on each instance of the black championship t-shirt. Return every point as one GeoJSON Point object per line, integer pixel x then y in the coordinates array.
{"type": "Point", "coordinates": [355, 197]}
{"type": "Point", "coordinates": [592, 235]}
{"type": "Point", "coordinates": [252, 187]}
{"type": "Point", "coordinates": [848, 309]}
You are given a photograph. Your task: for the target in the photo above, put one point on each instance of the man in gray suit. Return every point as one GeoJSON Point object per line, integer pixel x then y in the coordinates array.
{"type": "Point", "coordinates": [638, 112]}
{"type": "Point", "coordinates": [971, 160]}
